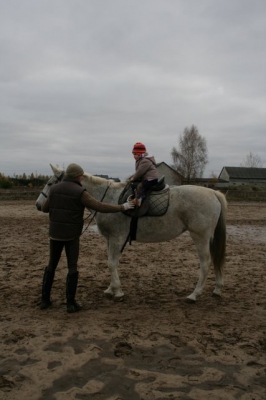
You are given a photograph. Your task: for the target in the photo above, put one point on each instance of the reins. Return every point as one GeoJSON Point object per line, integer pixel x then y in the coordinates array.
{"type": "Point", "coordinates": [95, 212]}
{"type": "Point", "coordinates": [59, 178]}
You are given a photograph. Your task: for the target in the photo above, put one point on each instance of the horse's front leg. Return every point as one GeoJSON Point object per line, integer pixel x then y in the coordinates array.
{"type": "Point", "coordinates": [114, 252]}
{"type": "Point", "coordinates": [202, 246]}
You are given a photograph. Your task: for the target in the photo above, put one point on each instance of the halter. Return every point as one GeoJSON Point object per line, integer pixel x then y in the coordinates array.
{"type": "Point", "coordinates": [59, 179]}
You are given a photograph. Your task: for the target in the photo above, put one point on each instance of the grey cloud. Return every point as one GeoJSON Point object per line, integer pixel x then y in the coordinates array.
{"type": "Point", "coordinates": [85, 80]}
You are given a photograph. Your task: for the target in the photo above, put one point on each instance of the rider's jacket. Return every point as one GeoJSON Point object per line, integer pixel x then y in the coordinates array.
{"type": "Point", "coordinates": [145, 168]}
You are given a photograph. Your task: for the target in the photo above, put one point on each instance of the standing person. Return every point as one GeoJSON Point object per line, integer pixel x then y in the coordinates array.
{"type": "Point", "coordinates": [65, 204]}
{"type": "Point", "coordinates": [146, 171]}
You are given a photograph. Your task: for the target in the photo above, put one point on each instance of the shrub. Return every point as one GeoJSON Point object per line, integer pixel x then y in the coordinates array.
{"type": "Point", "coordinates": [5, 183]}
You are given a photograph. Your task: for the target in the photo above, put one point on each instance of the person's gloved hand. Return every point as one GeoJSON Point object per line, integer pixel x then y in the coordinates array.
{"type": "Point", "coordinates": [128, 205]}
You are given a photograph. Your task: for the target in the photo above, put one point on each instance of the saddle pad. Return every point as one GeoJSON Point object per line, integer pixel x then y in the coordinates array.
{"type": "Point", "coordinates": [159, 202]}
{"type": "Point", "coordinates": [155, 205]}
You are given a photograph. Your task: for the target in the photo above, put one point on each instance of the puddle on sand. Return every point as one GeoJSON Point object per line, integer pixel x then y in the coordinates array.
{"type": "Point", "coordinates": [255, 234]}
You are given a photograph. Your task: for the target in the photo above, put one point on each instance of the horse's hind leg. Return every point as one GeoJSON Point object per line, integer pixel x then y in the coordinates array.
{"type": "Point", "coordinates": [114, 289]}
{"type": "Point", "coordinates": [219, 282]}
{"type": "Point", "coordinates": [202, 246]}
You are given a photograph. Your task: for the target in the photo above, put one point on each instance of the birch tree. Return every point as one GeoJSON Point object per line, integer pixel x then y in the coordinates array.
{"type": "Point", "coordinates": [191, 157]}
{"type": "Point", "coordinates": [252, 161]}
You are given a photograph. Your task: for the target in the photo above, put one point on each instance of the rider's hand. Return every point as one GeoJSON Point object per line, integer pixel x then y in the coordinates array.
{"type": "Point", "coordinates": [128, 205]}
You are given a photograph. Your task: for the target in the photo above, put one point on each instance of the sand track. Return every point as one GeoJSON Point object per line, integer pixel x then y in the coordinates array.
{"type": "Point", "coordinates": [153, 345]}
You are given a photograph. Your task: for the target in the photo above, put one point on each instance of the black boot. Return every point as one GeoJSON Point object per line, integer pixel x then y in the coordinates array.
{"type": "Point", "coordinates": [47, 283]}
{"type": "Point", "coordinates": [71, 287]}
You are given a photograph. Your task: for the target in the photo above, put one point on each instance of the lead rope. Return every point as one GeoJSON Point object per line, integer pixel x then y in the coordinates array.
{"type": "Point", "coordinates": [94, 214]}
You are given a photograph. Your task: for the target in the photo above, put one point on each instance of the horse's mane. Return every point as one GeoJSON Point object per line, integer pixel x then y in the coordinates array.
{"type": "Point", "coordinates": [99, 180]}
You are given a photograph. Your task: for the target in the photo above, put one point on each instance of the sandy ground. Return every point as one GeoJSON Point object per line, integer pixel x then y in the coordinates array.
{"type": "Point", "coordinates": [153, 345]}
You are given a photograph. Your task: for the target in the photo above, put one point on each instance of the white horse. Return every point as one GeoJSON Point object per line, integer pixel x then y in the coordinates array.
{"type": "Point", "coordinates": [198, 210]}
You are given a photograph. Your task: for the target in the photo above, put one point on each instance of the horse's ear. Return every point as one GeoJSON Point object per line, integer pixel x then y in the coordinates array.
{"type": "Point", "coordinates": [56, 170]}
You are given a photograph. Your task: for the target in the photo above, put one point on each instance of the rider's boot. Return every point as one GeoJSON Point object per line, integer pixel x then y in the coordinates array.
{"type": "Point", "coordinates": [47, 283]}
{"type": "Point", "coordinates": [71, 287]}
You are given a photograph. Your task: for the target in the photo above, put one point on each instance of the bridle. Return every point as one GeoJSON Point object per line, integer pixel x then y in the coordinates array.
{"type": "Point", "coordinates": [58, 179]}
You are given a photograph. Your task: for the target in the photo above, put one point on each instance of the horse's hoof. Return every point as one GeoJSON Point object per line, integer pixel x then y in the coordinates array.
{"type": "Point", "coordinates": [118, 298]}
{"type": "Point", "coordinates": [108, 295]}
{"type": "Point", "coordinates": [217, 295]}
{"type": "Point", "coordinates": [190, 301]}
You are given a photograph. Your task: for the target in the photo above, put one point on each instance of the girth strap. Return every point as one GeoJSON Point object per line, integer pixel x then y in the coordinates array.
{"type": "Point", "coordinates": [132, 232]}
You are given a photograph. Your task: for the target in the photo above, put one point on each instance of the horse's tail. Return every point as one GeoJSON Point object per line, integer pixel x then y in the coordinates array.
{"type": "Point", "coordinates": [218, 242]}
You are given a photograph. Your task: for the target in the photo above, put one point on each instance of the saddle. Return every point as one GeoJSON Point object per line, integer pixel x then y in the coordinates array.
{"type": "Point", "coordinates": [155, 204]}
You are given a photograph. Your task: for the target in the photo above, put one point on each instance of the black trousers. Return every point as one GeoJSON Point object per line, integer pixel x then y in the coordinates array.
{"type": "Point", "coordinates": [72, 253]}
{"type": "Point", "coordinates": [144, 186]}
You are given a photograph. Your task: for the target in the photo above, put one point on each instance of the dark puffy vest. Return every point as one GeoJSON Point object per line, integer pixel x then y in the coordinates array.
{"type": "Point", "coordinates": [65, 210]}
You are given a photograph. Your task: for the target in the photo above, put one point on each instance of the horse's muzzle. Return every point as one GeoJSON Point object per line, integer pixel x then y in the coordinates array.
{"type": "Point", "coordinates": [38, 206]}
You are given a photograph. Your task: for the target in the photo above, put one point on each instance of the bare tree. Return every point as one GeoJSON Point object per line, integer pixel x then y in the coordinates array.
{"type": "Point", "coordinates": [214, 176]}
{"type": "Point", "coordinates": [192, 156]}
{"type": "Point", "coordinates": [252, 161]}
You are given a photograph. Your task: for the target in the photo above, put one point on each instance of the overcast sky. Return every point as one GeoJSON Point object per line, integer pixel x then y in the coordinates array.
{"type": "Point", "coordinates": [83, 80]}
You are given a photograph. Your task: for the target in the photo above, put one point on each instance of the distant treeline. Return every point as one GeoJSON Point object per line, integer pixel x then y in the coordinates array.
{"type": "Point", "coordinates": [7, 182]}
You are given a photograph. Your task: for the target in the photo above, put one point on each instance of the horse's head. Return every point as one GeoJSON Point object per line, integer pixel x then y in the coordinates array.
{"type": "Point", "coordinates": [57, 177]}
